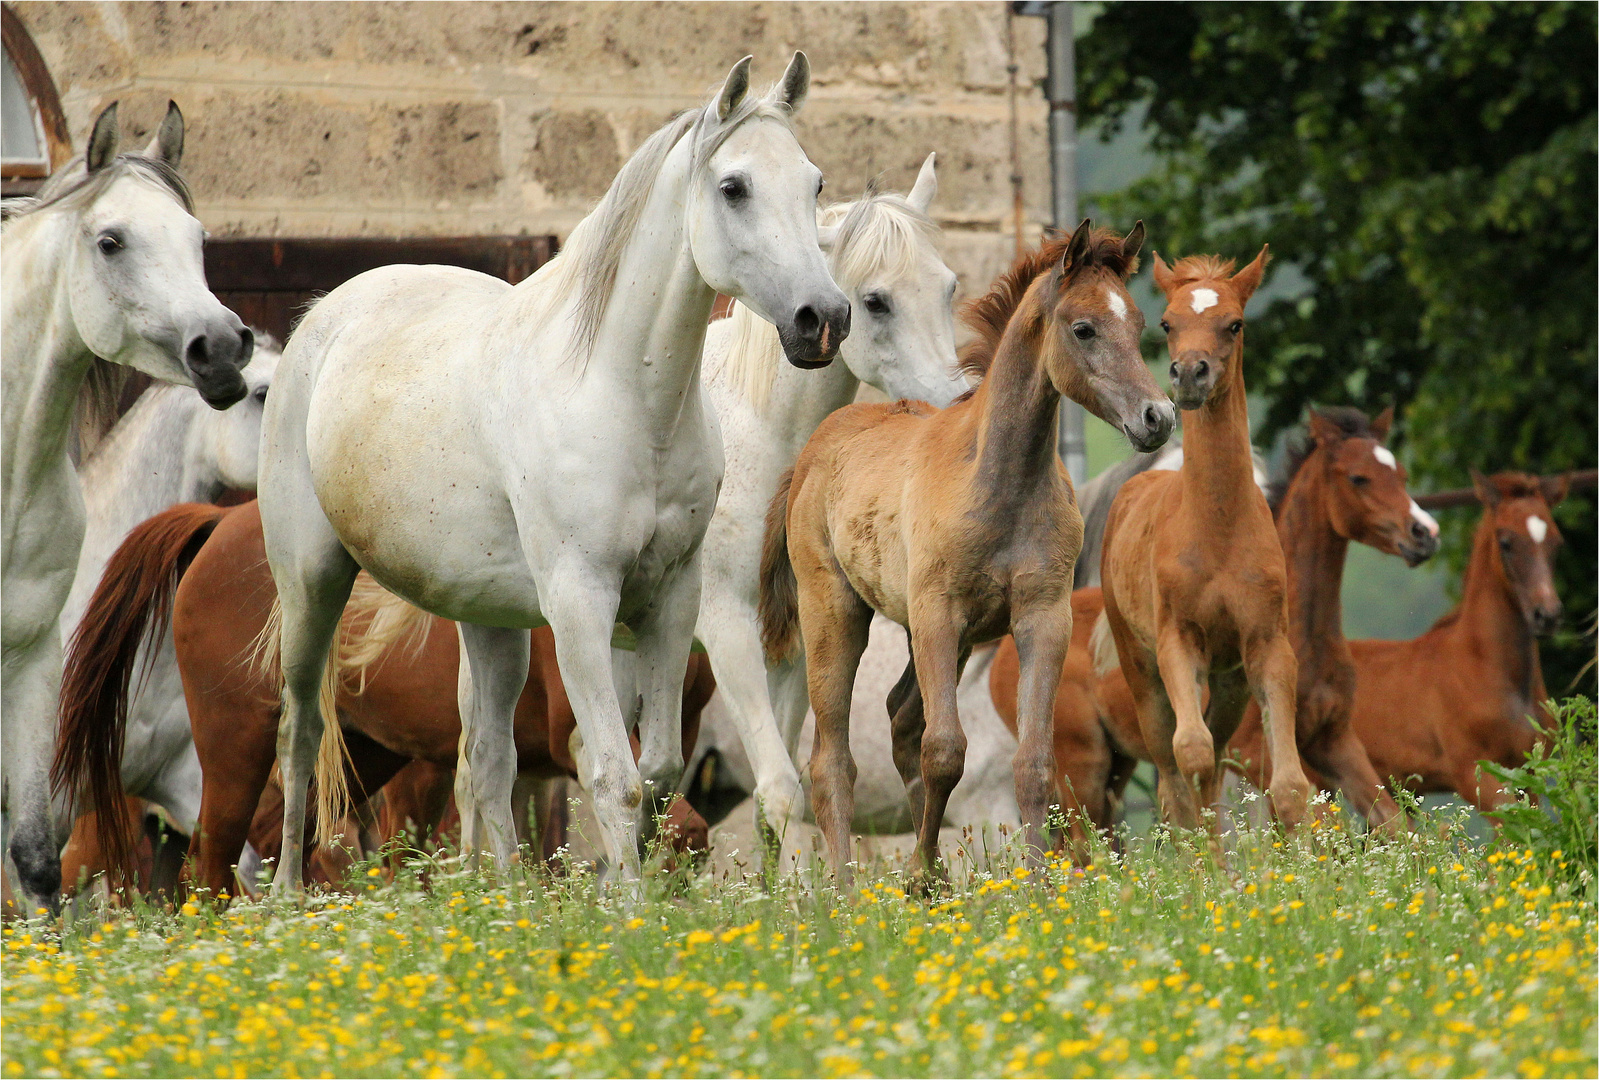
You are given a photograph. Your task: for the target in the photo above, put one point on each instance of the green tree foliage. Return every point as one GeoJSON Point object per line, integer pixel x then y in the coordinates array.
{"type": "Point", "coordinates": [1430, 171]}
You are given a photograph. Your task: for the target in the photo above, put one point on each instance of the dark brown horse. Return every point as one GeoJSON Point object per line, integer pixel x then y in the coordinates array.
{"type": "Point", "coordinates": [1343, 485]}
{"type": "Point", "coordinates": [1470, 689]}
{"type": "Point", "coordinates": [960, 525]}
{"type": "Point", "coordinates": [397, 703]}
{"type": "Point", "coordinates": [1193, 575]}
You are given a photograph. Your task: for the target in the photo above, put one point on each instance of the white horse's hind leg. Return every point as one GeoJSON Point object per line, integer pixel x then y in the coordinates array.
{"type": "Point", "coordinates": [665, 634]}
{"type": "Point", "coordinates": [495, 663]}
{"type": "Point", "coordinates": [32, 685]}
{"type": "Point", "coordinates": [313, 586]}
{"type": "Point", "coordinates": [582, 613]}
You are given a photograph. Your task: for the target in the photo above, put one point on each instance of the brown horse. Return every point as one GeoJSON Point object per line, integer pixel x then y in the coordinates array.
{"type": "Point", "coordinates": [1428, 710]}
{"type": "Point", "coordinates": [397, 699]}
{"type": "Point", "coordinates": [1193, 574]}
{"type": "Point", "coordinates": [1343, 485]}
{"type": "Point", "coordinates": [959, 524]}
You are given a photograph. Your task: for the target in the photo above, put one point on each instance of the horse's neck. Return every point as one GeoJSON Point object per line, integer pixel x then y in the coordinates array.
{"type": "Point", "coordinates": [1218, 470]}
{"type": "Point", "coordinates": [650, 340]}
{"type": "Point", "coordinates": [801, 400]}
{"type": "Point", "coordinates": [1493, 624]}
{"type": "Point", "coordinates": [1315, 554]}
{"type": "Point", "coordinates": [154, 458]}
{"type": "Point", "coordinates": [1016, 408]}
{"type": "Point", "coordinates": [45, 361]}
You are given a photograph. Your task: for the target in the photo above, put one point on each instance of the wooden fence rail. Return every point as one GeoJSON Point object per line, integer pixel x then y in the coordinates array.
{"type": "Point", "coordinates": [1580, 479]}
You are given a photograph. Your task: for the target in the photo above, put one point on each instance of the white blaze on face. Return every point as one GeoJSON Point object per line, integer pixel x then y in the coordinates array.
{"type": "Point", "coordinates": [1537, 528]}
{"type": "Point", "coordinates": [1385, 455]}
{"type": "Point", "coordinates": [1202, 299]}
{"type": "Point", "coordinates": [1117, 304]}
{"type": "Point", "coordinates": [1426, 519]}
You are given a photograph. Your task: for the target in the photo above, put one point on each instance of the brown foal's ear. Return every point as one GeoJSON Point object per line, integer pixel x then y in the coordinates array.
{"type": "Point", "coordinates": [1555, 488]}
{"type": "Point", "coordinates": [1078, 248]}
{"type": "Point", "coordinates": [1383, 423]}
{"type": "Point", "coordinates": [102, 141]}
{"type": "Point", "coordinates": [1323, 430]}
{"type": "Point", "coordinates": [1487, 493]}
{"type": "Point", "coordinates": [1247, 280]}
{"type": "Point", "coordinates": [1163, 275]}
{"type": "Point", "coordinates": [1133, 242]}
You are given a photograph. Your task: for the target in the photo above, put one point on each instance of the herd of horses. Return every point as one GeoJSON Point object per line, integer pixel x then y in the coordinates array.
{"type": "Point", "coordinates": [506, 535]}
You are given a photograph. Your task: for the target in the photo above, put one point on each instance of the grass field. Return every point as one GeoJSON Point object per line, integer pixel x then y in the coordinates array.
{"type": "Point", "coordinates": [1326, 954]}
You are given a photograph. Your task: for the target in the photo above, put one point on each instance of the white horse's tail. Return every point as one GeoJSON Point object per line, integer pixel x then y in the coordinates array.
{"type": "Point", "coordinates": [375, 622]}
{"type": "Point", "coordinates": [1102, 647]}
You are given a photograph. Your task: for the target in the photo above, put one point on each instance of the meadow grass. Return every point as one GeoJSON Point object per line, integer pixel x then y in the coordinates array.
{"type": "Point", "coordinates": [1323, 954]}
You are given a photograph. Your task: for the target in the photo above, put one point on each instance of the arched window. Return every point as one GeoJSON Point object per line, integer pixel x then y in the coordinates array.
{"type": "Point", "coordinates": [33, 130]}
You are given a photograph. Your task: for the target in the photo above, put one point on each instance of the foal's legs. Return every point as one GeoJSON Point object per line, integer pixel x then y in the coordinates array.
{"type": "Point", "coordinates": [1229, 698]}
{"type": "Point", "coordinates": [936, 652]}
{"type": "Point", "coordinates": [1178, 740]}
{"type": "Point", "coordinates": [835, 622]}
{"type": "Point", "coordinates": [1042, 638]}
{"type": "Point", "coordinates": [494, 663]}
{"type": "Point", "coordinates": [907, 721]}
{"type": "Point", "coordinates": [1339, 755]}
{"type": "Point", "coordinates": [1273, 676]}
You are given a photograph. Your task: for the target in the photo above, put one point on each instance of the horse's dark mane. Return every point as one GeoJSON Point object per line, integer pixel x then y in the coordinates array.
{"type": "Point", "coordinates": [988, 315]}
{"type": "Point", "coordinates": [1352, 422]}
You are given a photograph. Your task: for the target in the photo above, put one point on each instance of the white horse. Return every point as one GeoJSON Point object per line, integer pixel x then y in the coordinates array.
{"type": "Point", "coordinates": [105, 263]}
{"type": "Point", "coordinates": [883, 251]}
{"type": "Point", "coordinates": [512, 456]}
{"type": "Point", "coordinates": [168, 449]}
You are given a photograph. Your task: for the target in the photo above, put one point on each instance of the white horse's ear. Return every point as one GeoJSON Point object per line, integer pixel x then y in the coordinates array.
{"type": "Point", "coordinates": [926, 188]}
{"type": "Point", "coordinates": [826, 236]}
{"type": "Point", "coordinates": [795, 83]}
{"type": "Point", "coordinates": [734, 89]}
{"type": "Point", "coordinates": [102, 141]}
{"type": "Point", "coordinates": [168, 142]}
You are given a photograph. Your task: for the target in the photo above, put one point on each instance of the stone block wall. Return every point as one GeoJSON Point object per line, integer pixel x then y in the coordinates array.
{"type": "Point", "coordinates": [413, 119]}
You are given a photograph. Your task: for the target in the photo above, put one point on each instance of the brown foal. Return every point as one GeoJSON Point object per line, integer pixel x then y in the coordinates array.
{"type": "Point", "coordinates": [1428, 710]}
{"type": "Point", "coordinates": [959, 524]}
{"type": "Point", "coordinates": [1193, 575]}
{"type": "Point", "coordinates": [1343, 485]}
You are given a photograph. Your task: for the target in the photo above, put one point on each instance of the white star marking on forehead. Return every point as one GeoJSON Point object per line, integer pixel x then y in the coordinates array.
{"type": "Point", "coordinates": [1202, 299]}
{"type": "Point", "coordinates": [1117, 304]}
{"type": "Point", "coordinates": [1385, 455]}
{"type": "Point", "coordinates": [1428, 522]}
{"type": "Point", "coordinates": [1537, 528]}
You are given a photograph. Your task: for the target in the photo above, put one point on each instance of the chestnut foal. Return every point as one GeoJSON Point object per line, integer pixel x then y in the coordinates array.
{"type": "Point", "coordinates": [1194, 579]}
{"type": "Point", "coordinates": [1343, 485]}
{"type": "Point", "coordinates": [959, 524]}
{"type": "Point", "coordinates": [1428, 710]}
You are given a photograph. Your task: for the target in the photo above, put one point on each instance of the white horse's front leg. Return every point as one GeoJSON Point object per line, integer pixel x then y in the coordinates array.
{"type": "Point", "coordinates": [581, 610]}
{"type": "Point", "coordinates": [665, 634]}
{"type": "Point", "coordinates": [32, 687]}
{"type": "Point", "coordinates": [728, 629]}
{"type": "Point", "coordinates": [494, 664]}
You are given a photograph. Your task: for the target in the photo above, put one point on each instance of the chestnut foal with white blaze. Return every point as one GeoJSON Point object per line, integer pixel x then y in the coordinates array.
{"type": "Point", "coordinates": [1194, 579]}
{"type": "Point", "coordinates": [959, 524]}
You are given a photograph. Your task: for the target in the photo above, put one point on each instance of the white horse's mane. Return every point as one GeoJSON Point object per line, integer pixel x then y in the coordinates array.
{"type": "Point", "coordinates": [877, 235]}
{"type": "Point", "coordinates": [593, 251]}
{"type": "Point", "coordinates": [72, 185]}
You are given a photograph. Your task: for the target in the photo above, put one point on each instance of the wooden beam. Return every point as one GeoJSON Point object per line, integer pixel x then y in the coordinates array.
{"type": "Point", "coordinates": [39, 85]}
{"type": "Point", "coordinates": [1580, 479]}
{"type": "Point", "coordinates": [303, 265]}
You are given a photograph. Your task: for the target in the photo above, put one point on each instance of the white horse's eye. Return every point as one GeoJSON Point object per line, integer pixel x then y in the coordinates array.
{"type": "Point", "coordinates": [109, 243]}
{"type": "Point", "coordinates": [876, 304]}
{"type": "Point", "coordinates": [734, 189]}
